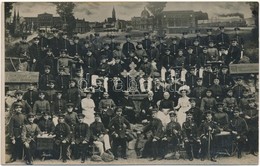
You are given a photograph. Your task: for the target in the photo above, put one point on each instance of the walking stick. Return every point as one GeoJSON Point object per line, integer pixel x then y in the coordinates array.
{"type": "Point", "coordinates": [209, 145]}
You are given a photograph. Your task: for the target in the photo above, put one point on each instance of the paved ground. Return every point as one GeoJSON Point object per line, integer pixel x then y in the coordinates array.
{"type": "Point", "coordinates": [245, 160]}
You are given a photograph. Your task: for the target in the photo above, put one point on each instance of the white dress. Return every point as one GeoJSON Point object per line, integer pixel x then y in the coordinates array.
{"type": "Point", "coordinates": [88, 106]}
{"type": "Point", "coordinates": [183, 105]}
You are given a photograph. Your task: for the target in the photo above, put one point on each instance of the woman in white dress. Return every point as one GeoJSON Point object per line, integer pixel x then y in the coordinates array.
{"type": "Point", "coordinates": [88, 107]}
{"type": "Point", "coordinates": [183, 104]}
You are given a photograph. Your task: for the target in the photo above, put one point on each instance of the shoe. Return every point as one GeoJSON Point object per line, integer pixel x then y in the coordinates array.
{"type": "Point", "coordinates": [152, 159]}
{"type": "Point", "coordinates": [12, 160]}
{"type": "Point", "coordinates": [202, 159]}
{"type": "Point", "coordinates": [253, 153]}
{"type": "Point", "coordinates": [109, 152]}
{"type": "Point", "coordinates": [239, 155]}
{"type": "Point", "coordinates": [191, 158]}
{"type": "Point", "coordinates": [64, 160]}
{"type": "Point", "coordinates": [160, 158]}
{"type": "Point", "coordinates": [82, 161]}
{"type": "Point", "coordinates": [28, 162]}
{"type": "Point", "coordinates": [116, 158]}
{"type": "Point", "coordinates": [213, 159]}
{"type": "Point", "coordinates": [125, 157]}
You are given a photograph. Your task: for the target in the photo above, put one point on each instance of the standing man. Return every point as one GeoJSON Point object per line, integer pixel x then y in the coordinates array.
{"type": "Point", "coordinates": [222, 38]}
{"type": "Point", "coordinates": [118, 133]}
{"type": "Point", "coordinates": [128, 46]}
{"type": "Point", "coordinates": [31, 95]}
{"type": "Point", "coordinates": [29, 134]}
{"type": "Point", "coordinates": [146, 42]}
{"type": "Point", "coordinates": [19, 99]}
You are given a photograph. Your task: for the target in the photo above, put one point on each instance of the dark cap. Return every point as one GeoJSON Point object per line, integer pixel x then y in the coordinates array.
{"type": "Point", "coordinates": [61, 116]}
{"type": "Point", "coordinates": [18, 92]}
{"type": "Point", "coordinates": [119, 109]}
{"type": "Point", "coordinates": [207, 65]}
{"type": "Point", "coordinates": [81, 116]}
{"type": "Point", "coordinates": [97, 114]}
{"type": "Point", "coordinates": [190, 47]}
{"type": "Point", "coordinates": [205, 48]}
{"type": "Point", "coordinates": [239, 78]}
{"type": "Point", "coordinates": [154, 110]}
{"type": "Point", "coordinates": [224, 67]}
{"type": "Point", "coordinates": [209, 90]}
{"type": "Point", "coordinates": [221, 27]}
{"type": "Point", "coordinates": [24, 37]}
{"type": "Point", "coordinates": [63, 51]}
{"type": "Point", "coordinates": [70, 105]}
{"type": "Point", "coordinates": [52, 82]}
{"type": "Point", "coordinates": [41, 93]}
{"type": "Point", "coordinates": [96, 34]}
{"type": "Point", "coordinates": [236, 110]}
{"type": "Point", "coordinates": [209, 30]}
{"type": "Point", "coordinates": [197, 30]}
{"type": "Point", "coordinates": [127, 36]}
{"type": "Point", "coordinates": [75, 37]}
{"type": "Point", "coordinates": [47, 67]}
{"type": "Point", "coordinates": [41, 30]}
{"type": "Point", "coordinates": [172, 114]}
{"type": "Point", "coordinates": [251, 100]}
{"type": "Point", "coordinates": [146, 33]}
{"type": "Point", "coordinates": [36, 38]}
{"type": "Point", "coordinates": [59, 91]}
{"type": "Point", "coordinates": [30, 115]}
{"type": "Point", "coordinates": [219, 104]}
{"type": "Point", "coordinates": [234, 39]}
{"type": "Point", "coordinates": [192, 99]}
{"type": "Point", "coordinates": [73, 80]}
{"type": "Point", "coordinates": [46, 113]}
{"type": "Point", "coordinates": [18, 104]}
{"type": "Point", "coordinates": [184, 33]}
{"type": "Point", "coordinates": [192, 68]}
{"type": "Point", "coordinates": [236, 28]}
{"type": "Point", "coordinates": [209, 112]}
{"type": "Point", "coordinates": [189, 112]}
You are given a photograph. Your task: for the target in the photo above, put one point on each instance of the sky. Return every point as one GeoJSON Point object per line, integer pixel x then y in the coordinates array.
{"type": "Point", "coordinates": [99, 11]}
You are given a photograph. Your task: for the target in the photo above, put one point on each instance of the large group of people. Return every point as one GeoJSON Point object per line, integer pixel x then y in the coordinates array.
{"type": "Point", "coordinates": [85, 92]}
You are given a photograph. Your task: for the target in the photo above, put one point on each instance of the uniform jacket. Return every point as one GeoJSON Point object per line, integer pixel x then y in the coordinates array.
{"type": "Point", "coordinates": [81, 133]}
{"type": "Point", "coordinates": [59, 106]}
{"type": "Point", "coordinates": [46, 125]}
{"type": "Point", "coordinates": [117, 125]}
{"type": "Point", "coordinates": [169, 133]}
{"type": "Point", "coordinates": [204, 128]}
{"type": "Point", "coordinates": [190, 131]}
{"type": "Point", "coordinates": [44, 80]}
{"type": "Point", "coordinates": [26, 108]}
{"type": "Point", "coordinates": [41, 106]}
{"type": "Point", "coordinates": [127, 47]}
{"type": "Point", "coordinates": [73, 96]}
{"type": "Point", "coordinates": [16, 124]}
{"type": "Point", "coordinates": [156, 127]}
{"type": "Point", "coordinates": [71, 118]}
{"type": "Point", "coordinates": [239, 125]}
{"type": "Point", "coordinates": [62, 132]}
{"type": "Point", "coordinates": [97, 129]}
{"type": "Point", "coordinates": [208, 103]}
{"type": "Point", "coordinates": [30, 132]}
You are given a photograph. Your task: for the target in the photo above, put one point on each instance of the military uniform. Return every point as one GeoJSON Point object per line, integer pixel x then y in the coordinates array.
{"type": "Point", "coordinates": [235, 53]}
{"type": "Point", "coordinates": [167, 61]}
{"type": "Point", "coordinates": [230, 103]}
{"type": "Point", "coordinates": [118, 133]}
{"type": "Point", "coordinates": [208, 78]}
{"type": "Point", "coordinates": [184, 43]}
{"type": "Point", "coordinates": [222, 39]}
{"type": "Point", "coordinates": [156, 127]}
{"type": "Point", "coordinates": [29, 134]}
{"type": "Point", "coordinates": [190, 134]}
{"type": "Point", "coordinates": [127, 47]}
{"type": "Point", "coordinates": [62, 81]}
{"type": "Point", "coordinates": [129, 109]}
{"type": "Point", "coordinates": [41, 106]}
{"type": "Point", "coordinates": [191, 79]}
{"type": "Point", "coordinates": [26, 108]}
{"type": "Point", "coordinates": [198, 92]}
{"type": "Point", "coordinates": [208, 135]}
{"type": "Point", "coordinates": [59, 106]}
{"type": "Point", "coordinates": [106, 108]}
{"type": "Point", "coordinates": [35, 53]}
{"type": "Point", "coordinates": [208, 103]}
{"type": "Point", "coordinates": [190, 60]}
{"type": "Point", "coordinates": [238, 91]}
{"type": "Point", "coordinates": [217, 92]}
{"type": "Point", "coordinates": [62, 132]}
{"type": "Point", "coordinates": [55, 45]}
{"type": "Point", "coordinates": [146, 43]}
{"type": "Point", "coordinates": [16, 124]}
{"type": "Point", "coordinates": [145, 112]}
{"type": "Point", "coordinates": [46, 125]}
{"type": "Point", "coordinates": [90, 64]}
{"type": "Point", "coordinates": [44, 81]}
{"type": "Point", "coordinates": [73, 96]}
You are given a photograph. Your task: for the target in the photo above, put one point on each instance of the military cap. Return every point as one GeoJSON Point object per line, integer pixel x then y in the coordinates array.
{"type": "Point", "coordinates": [54, 30]}
{"type": "Point", "coordinates": [41, 93]}
{"type": "Point", "coordinates": [205, 48]}
{"type": "Point", "coordinates": [224, 67]}
{"type": "Point", "coordinates": [61, 116]}
{"type": "Point", "coordinates": [196, 40]}
{"type": "Point", "coordinates": [127, 36]}
{"type": "Point", "coordinates": [36, 38]}
{"type": "Point", "coordinates": [236, 28]}
{"type": "Point", "coordinates": [154, 110]}
{"type": "Point", "coordinates": [207, 64]}
{"type": "Point", "coordinates": [146, 33]}
{"type": "Point", "coordinates": [180, 49]}
{"type": "Point", "coordinates": [219, 104]}
{"type": "Point", "coordinates": [64, 33]}
{"type": "Point", "coordinates": [96, 34]}
{"type": "Point", "coordinates": [111, 36]}
{"type": "Point", "coordinates": [106, 44]}
{"type": "Point", "coordinates": [139, 43]}
{"type": "Point", "coordinates": [211, 41]}
{"type": "Point", "coordinates": [81, 116]}
{"type": "Point", "coordinates": [197, 30]}
{"type": "Point", "coordinates": [18, 92]}
{"type": "Point", "coordinates": [172, 114]}
{"type": "Point", "coordinates": [192, 68]}
{"type": "Point", "coordinates": [41, 30]}
{"type": "Point", "coordinates": [189, 112]}
{"type": "Point", "coordinates": [52, 82]}
{"type": "Point", "coordinates": [73, 80]}
{"type": "Point", "coordinates": [24, 37]}
{"type": "Point", "coordinates": [97, 114]}
{"type": "Point", "coordinates": [234, 39]}
{"type": "Point", "coordinates": [221, 27]}
{"type": "Point", "coordinates": [239, 78]}
{"type": "Point", "coordinates": [160, 37]}
{"type": "Point", "coordinates": [229, 90]}
{"type": "Point", "coordinates": [49, 49]}
{"type": "Point", "coordinates": [46, 113]}
{"type": "Point", "coordinates": [18, 104]}
{"type": "Point", "coordinates": [199, 79]}
{"type": "Point", "coordinates": [62, 68]}
{"type": "Point", "coordinates": [167, 49]}
{"type": "Point", "coordinates": [251, 100]}
{"type": "Point", "coordinates": [145, 56]}
{"type": "Point", "coordinates": [209, 30]}
{"type": "Point", "coordinates": [209, 90]}
{"type": "Point", "coordinates": [70, 105]}
{"type": "Point", "coordinates": [190, 47]}
{"type": "Point", "coordinates": [236, 110]}
{"type": "Point", "coordinates": [173, 38]}
{"type": "Point", "coordinates": [192, 99]}
{"type": "Point", "coordinates": [222, 48]}
{"type": "Point", "coordinates": [63, 51]}
{"type": "Point", "coordinates": [30, 115]}
{"type": "Point", "coordinates": [119, 109]}
{"type": "Point", "coordinates": [209, 112]}
{"type": "Point", "coordinates": [75, 37]}
{"type": "Point", "coordinates": [47, 67]}
{"type": "Point", "coordinates": [59, 91]}
{"type": "Point", "coordinates": [184, 33]}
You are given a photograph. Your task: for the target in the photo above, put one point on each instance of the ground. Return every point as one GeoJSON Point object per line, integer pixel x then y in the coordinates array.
{"type": "Point", "coordinates": [245, 160]}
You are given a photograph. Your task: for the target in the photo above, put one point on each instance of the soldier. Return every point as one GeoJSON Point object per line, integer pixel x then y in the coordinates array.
{"type": "Point", "coordinates": [209, 37]}
{"type": "Point", "coordinates": [146, 105]}
{"type": "Point", "coordinates": [64, 42]}
{"type": "Point", "coordinates": [99, 135]}
{"type": "Point", "coordinates": [234, 52]}
{"type": "Point", "coordinates": [90, 64]}
{"type": "Point", "coordinates": [62, 80]}
{"type": "Point", "coordinates": [146, 42]}
{"type": "Point", "coordinates": [191, 77]}
{"type": "Point", "coordinates": [199, 91]}
{"type": "Point", "coordinates": [49, 60]}
{"type": "Point", "coordinates": [196, 112]}
{"type": "Point", "coordinates": [15, 129]}
{"type": "Point", "coordinates": [243, 103]}
{"type": "Point", "coordinates": [59, 104]}
{"type": "Point", "coordinates": [45, 124]}
{"type": "Point", "coordinates": [208, 102]}
{"type": "Point", "coordinates": [99, 91]}
{"type": "Point", "coordinates": [239, 88]}
{"type": "Point", "coordinates": [226, 81]}
{"type": "Point", "coordinates": [172, 135]}
{"type": "Point", "coordinates": [62, 138]}
{"type": "Point", "coordinates": [190, 134]}
{"type": "Point", "coordinates": [43, 41]}
{"type": "Point", "coordinates": [71, 117]}
{"type": "Point", "coordinates": [77, 48]}
{"type": "Point", "coordinates": [97, 44]}
{"type": "Point", "coordinates": [180, 59]}
{"type": "Point", "coordinates": [23, 53]}
{"type": "Point", "coordinates": [222, 38]}
{"type": "Point", "coordinates": [167, 59]}
{"type": "Point", "coordinates": [240, 39]}
{"type": "Point", "coordinates": [106, 52]}
{"type": "Point", "coordinates": [26, 108]}
{"type": "Point", "coordinates": [221, 118]}
{"type": "Point", "coordinates": [118, 133]}
{"type": "Point", "coordinates": [128, 108]}
{"type": "Point", "coordinates": [161, 48]}
{"type": "Point", "coordinates": [230, 103]}
{"type": "Point", "coordinates": [73, 95]}
{"type": "Point", "coordinates": [112, 44]}
{"type": "Point", "coordinates": [66, 62]}
{"type": "Point", "coordinates": [29, 133]}
{"type": "Point", "coordinates": [80, 137]}
{"type": "Point", "coordinates": [45, 78]}
{"type": "Point", "coordinates": [35, 56]}
{"type": "Point", "coordinates": [217, 90]}
{"type": "Point", "coordinates": [40, 106]}
{"type": "Point", "coordinates": [197, 48]}
{"type": "Point", "coordinates": [106, 107]}
{"type": "Point", "coordinates": [154, 54]}
{"type": "Point", "coordinates": [156, 127]}
{"type": "Point", "coordinates": [191, 58]}
{"type": "Point", "coordinates": [184, 42]}
{"type": "Point", "coordinates": [251, 117]}
{"type": "Point", "coordinates": [174, 47]}
{"type": "Point", "coordinates": [213, 54]}
{"type": "Point", "coordinates": [208, 130]}
{"type": "Point", "coordinates": [118, 54]}
{"type": "Point", "coordinates": [117, 68]}
{"type": "Point", "coordinates": [208, 76]}
{"type": "Point", "coordinates": [199, 37]}
{"type": "Point", "coordinates": [140, 52]}
{"type": "Point", "coordinates": [103, 68]}
{"type": "Point", "coordinates": [55, 43]}
{"type": "Point", "coordinates": [239, 129]}
{"type": "Point", "coordinates": [51, 93]}
{"type": "Point", "coordinates": [128, 46]}
{"type": "Point", "coordinates": [202, 58]}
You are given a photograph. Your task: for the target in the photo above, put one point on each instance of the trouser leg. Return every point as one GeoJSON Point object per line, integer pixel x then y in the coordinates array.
{"type": "Point", "coordinates": [100, 146]}
{"type": "Point", "coordinates": [64, 151]}
{"type": "Point", "coordinates": [115, 147]}
{"type": "Point", "coordinates": [123, 145]}
{"type": "Point", "coordinates": [155, 149]}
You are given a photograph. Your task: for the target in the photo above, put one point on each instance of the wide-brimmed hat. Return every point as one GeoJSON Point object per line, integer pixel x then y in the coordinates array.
{"type": "Point", "coordinates": [184, 88]}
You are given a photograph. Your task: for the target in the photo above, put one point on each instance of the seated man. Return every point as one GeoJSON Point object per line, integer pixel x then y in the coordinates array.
{"type": "Point", "coordinates": [99, 135]}
{"type": "Point", "coordinates": [221, 117]}
{"type": "Point", "coordinates": [146, 105]}
{"type": "Point", "coordinates": [80, 137]}
{"type": "Point", "coordinates": [172, 134]}
{"type": "Point", "coordinates": [29, 134]}
{"type": "Point", "coordinates": [208, 130]}
{"type": "Point", "coordinates": [190, 136]}
{"type": "Point", "coordinates": [62, 139]}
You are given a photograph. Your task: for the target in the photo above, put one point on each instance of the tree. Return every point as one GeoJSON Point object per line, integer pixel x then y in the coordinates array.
{"type": "Point", "coordinates": [8, 9]}
{"type": "Point", "coordinates": [65, 10]}
{"type": "Point", "coordinates": [156, 9]}
{"type": "Point", "coordinates": [254, 6]}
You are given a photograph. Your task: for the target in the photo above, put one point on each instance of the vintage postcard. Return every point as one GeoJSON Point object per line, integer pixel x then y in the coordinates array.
{"type": "Point", "coordinates": [130, 83]}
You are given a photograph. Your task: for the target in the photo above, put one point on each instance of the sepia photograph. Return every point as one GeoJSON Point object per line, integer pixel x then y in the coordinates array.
{"type": "Point", "coordinates": [130, 83]}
